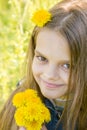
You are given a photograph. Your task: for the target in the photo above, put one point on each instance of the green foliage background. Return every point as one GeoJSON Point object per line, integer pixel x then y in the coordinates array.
{"type": "Point", "coordinates": [15, 30]}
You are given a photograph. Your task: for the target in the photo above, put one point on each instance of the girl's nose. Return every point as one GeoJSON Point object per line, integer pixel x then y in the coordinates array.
{"type": "Point", "coordinates": [52, 73]}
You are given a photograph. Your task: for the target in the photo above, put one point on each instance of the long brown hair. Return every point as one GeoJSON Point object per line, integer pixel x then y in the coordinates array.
{"type": "Point", "coordinates": [70, 19]}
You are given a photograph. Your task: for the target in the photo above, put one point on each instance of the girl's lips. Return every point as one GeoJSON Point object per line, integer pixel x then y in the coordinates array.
{"type": "Point", "coordinates": [52, 85]}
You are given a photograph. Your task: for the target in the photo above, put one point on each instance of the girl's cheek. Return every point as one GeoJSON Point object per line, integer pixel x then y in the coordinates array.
{"type": "Point", "coordinates": [37, 68]}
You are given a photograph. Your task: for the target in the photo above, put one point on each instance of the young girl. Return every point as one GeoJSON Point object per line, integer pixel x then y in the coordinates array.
{"type": "Point", "coordinates": [57, 68]}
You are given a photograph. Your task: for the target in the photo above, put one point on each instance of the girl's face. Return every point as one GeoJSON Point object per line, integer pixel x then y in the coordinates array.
{"type": "Point", "coordinates": [51, 64]}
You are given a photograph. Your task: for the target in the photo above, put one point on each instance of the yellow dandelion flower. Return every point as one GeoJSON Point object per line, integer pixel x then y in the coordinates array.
{"type": "Point", "coordinates": [34, 125]}
{"type": "Point", "coordinates": [31, 112]}
{"type": "Point", "coordinates": [46, 114]}
{"type": "Point", "coordinates": [30, 93]}
{"type": "Point", "coordinates": [19, 117]}
{"type": "Point", "coordinates": [41, 17]}
{"type": "Point", "coordinates": [18, 99]}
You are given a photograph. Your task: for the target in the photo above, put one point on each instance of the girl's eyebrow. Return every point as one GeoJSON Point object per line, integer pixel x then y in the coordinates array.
{"type": "Point", "coordinates": [39, 53]}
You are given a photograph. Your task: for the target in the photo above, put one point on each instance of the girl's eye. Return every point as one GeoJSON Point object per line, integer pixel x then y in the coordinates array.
{"type": "Point", "coordinates": [41, 58]}
{"type": "Point", "coordinates": [66, 67]}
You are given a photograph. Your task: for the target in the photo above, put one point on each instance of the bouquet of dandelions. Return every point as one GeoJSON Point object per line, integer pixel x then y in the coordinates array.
{"type": "Point", "coordinates": [30, 112]}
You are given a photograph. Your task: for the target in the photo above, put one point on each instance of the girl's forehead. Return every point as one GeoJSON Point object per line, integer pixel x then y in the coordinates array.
{"type": "Point", "coordinates": [46, 33]}
{"type": "Point", "coordinates": [51, 37]}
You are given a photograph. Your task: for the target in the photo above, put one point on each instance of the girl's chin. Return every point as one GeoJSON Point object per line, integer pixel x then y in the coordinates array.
{"type": "Point", "coordinates": [50, 96]}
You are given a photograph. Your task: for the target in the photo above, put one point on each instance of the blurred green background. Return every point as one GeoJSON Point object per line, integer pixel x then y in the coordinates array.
{"type": "Point", "coordinates": [15, 30]}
